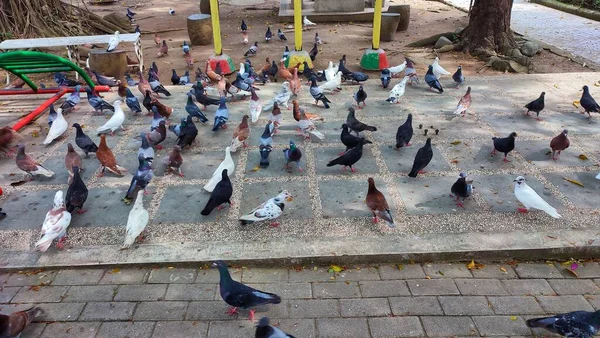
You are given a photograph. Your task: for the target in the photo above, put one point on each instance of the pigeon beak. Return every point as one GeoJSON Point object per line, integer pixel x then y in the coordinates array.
{"type": "Point", "coordinates": [289, 199]}
{"type": "Point", "coordinates": [214, 265]}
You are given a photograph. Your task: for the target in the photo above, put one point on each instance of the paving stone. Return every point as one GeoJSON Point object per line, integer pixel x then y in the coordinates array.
{"type": "Point", "coordinates": [7, 309]}
{"type": "Point", "coordinates": [560, 304]}
{"type": "Point", "coordinates": [297, 327]}
{"type": "Point", "coordinates": [447, 270]}
{"type": "Point", "coordinates": [576, 124]}
{"type": "Point", "coordinates": [186, 329]}
{"type": "Point", "coordinates": [496, 271]}
{"type": "Point", "coordinates": [7, 293]}
{"type": "Point", "coordinates": [347, 198]}
{"type": "Point", "coordinates": [427, 287]}
{"type": "Point", "coordinates": [191, 292]}
{"type": "Point", "coordinates": [90, 293]}
{"type": "Point", "coordinates": [231, 329]}
{"type": "Point", "coordinates": [33, 330]}
{"type": "Point", "coordinates": [212, 275]}
{"type": "Point", "coordinates": [78, 277]}
{"type": "Point", "coordinates": [475, 155]}
{"type": "Point", "coordinates": [42, 294]}
{"type": "Point", "coordinates": [336, 290]}
{"type": "Point", "coordinates": [537, 270]}
{"type": "Point", "coordinates": [489, 104]}
{"type": "Point", "coordinates": [465, 305]}
{"type": "Point", "coordinates": [366, 164]}
{"type": "Point", "coordinates": [387, 288]}
{"type": "Point", "coordinates": [71, 330]}
{"type": "Point", "coordinates": [580, 197]}
{"type": "Point", "coordinates": [314, 308]}
{"type": "Point", "coordinates": [286, 290]}
{"type": "Point", "coordinates": [415, 306]}
{"type": "Point", "coordinates": [396, 326]}
{"type": "Point", "coordinates": [276, 166]}
{"type": "Point", "coordinates": [401, 161]}
{"type": "Point", "coordinates": [528, 287]}
{"type": "Point", "coordinates": [401, 271]}
{"type": "Point", "coordinates": [31, 206]}
{"type": "Point", "coordinates": [501, 325]}
{"type": "Point", "coordinates": [504, 125]}
{"type": "Point", "coordinates": [480, 287]}
{"type": "Point", "coordinates": [310, 275]}
{"type": "Point", "coordinates": [367, 307]}
{"type": "Point", "coordinates": [56, 164]}
{"type": "Point", "coordinates": [104, 311]}
{"type": "Point", "coordinates": [160, 311]}
{"type": "Point", "coordinates": [203, 310]}
{"type": "Point", "coordinates": [173, 276]}
{"type": "Point", "coordinates": [343, 327]}
{"type": "Point", "coordinates": [515, 305]}
{"type": "Point", "coordinates": [538, 154]}
{"type": "Point", "coordinates": [585, 270]}
{"type": "Point", "coordinates": [63, 312]}
{"type": "Point", "coordinates": [171, 209]}
{"type": "Point", "coordinates": [124, 276]}
{"type": "Point", "coordinates": [448, 326]}
{"type": "Point", "coordinates": [574, 286]}
{"type": "Point", "coordinates": [257, 193]}
{"type": "Point", "coordinates": [594, 300]}
{"type": "Point", "coordinates": [141, 292]}
{"type": "Point", "coordinates": [358, 274]}
{"type": "Point", "coordinates": [427, 105]}
{"type": "Point", "coordinates": [264, 275]}
{"type": "Point", "coordinates": [126, 330]}
{"type": "Point", "coordinates": [210, 162]}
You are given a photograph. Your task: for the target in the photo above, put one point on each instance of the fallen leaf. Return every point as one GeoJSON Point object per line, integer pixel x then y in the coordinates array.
{"type": "Point", "coordinates": [455, 142]}
{"type": "Point", "coordinates": [591, 241]}
{"type": "Point", "coordinates": [454, 161]}
{"type": "Point", "coordinates": [427, 277]}
{"type": "Point", "coordinates": [115, 270]}
{"type": "Point", "coordinates": [475, 266]}
{"type": "Point", "coordinates": [315, 268]}
{"type": "Point", "coordinates": [513, 318]}
{"type": "Point", "coordinates": [257, 168]}
{"type": "Point", "coordinates": [572, 272]}
{"type": "Point", "coordinates": [576, 103]}
{"type": "Point", "coordinates": [503, 269]}
{"type": "Point", "coordinates": [552, 237]}
{"type": "Point", "coordinates": [441, 273]}
{"type": "Point", "coordinates": [555, 86]}
{"type": "Point", "coordinates": [582, 157]}
{"type": "Point", "coordinates": [573, 181]}
{"type": "Point", "coordinates": [400, 266]}
{"type": "Point", "coordinates": [336, 268]}
{"type": "Point", "coordinates": [34, 288]}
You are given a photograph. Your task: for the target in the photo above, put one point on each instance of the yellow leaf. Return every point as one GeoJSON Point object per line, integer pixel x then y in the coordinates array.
{"type": "Point", "coordinates": [427, 277]}
{"type": "Point", "coordinates": [336, 268]}
{"type": "Point", "coordinates": [315, 268]}
{"type": "Point", "coordinates": [572, 272]}
{"type": "Point", "coordinates": [555, 86]}
{"type": "Point", "coordinates": [597, 84]}
{"type": "Point", "coordinates": [257, 168]}
{"type": "Point", "coordinates": [582, 157]}
{"type": "Point", "coordinates": [503, 270]}
{"type": "Point", "coordinates": [573, 181]}
{"type": "Point", "coordinates": [170, 268]}
{"type": "Point", "coordinates": [475, 266]}
{"type": "Point", "coordinates": [455, 142]}
{"type": "Point", "coordinates": [513, 318]}
{"type": "Point", "coordinates": [400, 266]}
{"type": "Point", "coordinates": [115, 270]}
{"type": "Point", "coordinates": [576, 103]}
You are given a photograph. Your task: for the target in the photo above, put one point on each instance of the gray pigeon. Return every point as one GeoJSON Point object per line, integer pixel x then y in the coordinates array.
{"type": "Point", "coordinates": [265, 330]}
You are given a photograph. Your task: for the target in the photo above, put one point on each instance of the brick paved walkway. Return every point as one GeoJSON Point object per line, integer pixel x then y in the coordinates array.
{"type": "Point", "coordinates": [407, 300]}
{"type": "Point", "coordinates": [569, 32]}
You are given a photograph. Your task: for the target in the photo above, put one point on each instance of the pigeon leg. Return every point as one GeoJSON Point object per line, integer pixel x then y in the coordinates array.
{"type": "Point", "coordinates": [81, 211]}
{"type": "Point", "coordinates": [159, 147]}
{"type": "Point", "coordinates": [527, 113]}
{"type": "Point", "coordinates": [505, 159]}
{"type": "Point", "coordinates": [300, 169]}
{"type": "Point", "coordinates": [558, 155]}
{"type": "Point", "coordinates": [459, 203]}
{"type": "Point", "coordinates": [220, 207]}
{"type": "Point", "coordinates": [408, 144]}
{"type": "Point", "coordinates": [181, 173]}
{"type": "Point", "coordinates": [422, 172]}
{"type": "Point", "coordinates": [352, 169]}
{"type": "Point", "coordinates": [101, 173]}
{"type": "Point", "coordinates": [60, 245]}
{"type": "Point", "coordinates": [146, 192]}
{"type": "Point", "coordinates": [344, 169]}
{"type": "Point", "coordinates": [274, 224]}
{"type": "Point", "coordinates": [554, 155]}
{"type": "Point", "coordinates": [375, 220]}
{"type": "Point", "coordinates": [224, 126]}
{"type": "Point", "coordinates": [251, 315]}
{"type": "Point", "coordinates": [232, 311]}
{"type": "Point", "coordinates": [112, 133]}
{"type": "Point", "coordinates": [494, 151]}
{"type": "Point", "coordinates": [522, 210]}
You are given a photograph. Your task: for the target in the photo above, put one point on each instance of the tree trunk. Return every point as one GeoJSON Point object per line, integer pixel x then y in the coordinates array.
{"type": "Point", "coordinates": [488, 32]}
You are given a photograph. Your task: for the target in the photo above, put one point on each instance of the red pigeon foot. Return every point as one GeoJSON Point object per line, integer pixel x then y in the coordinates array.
{"type": "Point", "coordinates": [460, 204]}
{"type": "Point", "coordinates": [505, 160]}
{"type": "Point", "coordinates": [251, 315]}
{"type": "Point", "coordinates": [275, 224]}
{"type": "Point", "coordinates": [522, 210]}
{"type": "Point", "coordinates": [81, 211]}
{"type": "Point", "coordinates": [422, 172]}
{"type": "Point", "coordinates": [232, 310]}
{"type": "Point", "coordinates": [375, 220]}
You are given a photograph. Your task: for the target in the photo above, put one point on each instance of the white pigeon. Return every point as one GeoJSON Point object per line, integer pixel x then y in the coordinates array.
{"type": "Point", "coordinates": [281, 98]}
{"type": "Point", "coordinates": [255, 106]}
{"type": "Point", "coordinates": [331, 71]}
{"type": "Point", "coordinates": [55, 224]}
{"type": "Point", "coordinates": [137, 220]}
{"type": "Point", "coordinates": [242, 70]}
{"type": "Point", "coordinates": [217, 175]}
{"type": "Point", "coordinates": [438, 71]}
{"type": "Point", "coordinates": [113, 42]}
{"type": "Point", "coordinates": [270, 210]}
{"type": "Point", "coordinates": [398, 90]}
{"type": "Point", "coordinates": [396, 70]}
{"type": "Point", "coordinates": [333, 85]}
{"type": "Point", "coordinates": [598, 176]}
{"type": "Point", "coordinates": [308, 22]}
{"type": "Point", "coordinates": [58, 127]}
{"type": "Point", "coordinates": [308, 128]}
{"type": "Point", "coordinates": [115, 122]}
{"type": "Point", "coordinates": [530, 199]}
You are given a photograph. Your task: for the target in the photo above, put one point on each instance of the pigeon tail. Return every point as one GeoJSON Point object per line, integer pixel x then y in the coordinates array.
{"type": "Point", "coordinates": [546, 323]}
{"type": "Point", "coordinates": [44, 243]}
{"type": "Point", "coordinates": [386, 215]}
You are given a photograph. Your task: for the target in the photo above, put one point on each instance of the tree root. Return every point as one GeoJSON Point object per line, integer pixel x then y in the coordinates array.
{"type": "Point", "coordinates": [431, 40]}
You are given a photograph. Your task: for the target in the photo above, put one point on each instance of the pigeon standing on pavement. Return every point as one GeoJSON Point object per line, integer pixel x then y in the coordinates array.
{"type": "Point", "coordinates": [221, 115]}
{"type": "Point", "coordinates": [422, 159]}
{"type": "Point", "coordinates": [349, 140]}
{"type": "Point", "coordinates": [318, 40]}
{"type": "Point", "coordinates": [14, 324]}
{"type": "Point", "coordinates": [268, 35]}
{"type": "Point", "coordinates": [432, 80]}
{"type": "Point", "coordinates": [536, 106]}
{"type": "Point", "coordinates": [187, 134]}
{"type": "Point", "coordinates": [265, 330]}
{"type": "Point", "coordinates": [404, 133]}
{"type": "Point", "coordinates": [244, 29]}
{"type": "Point", "coordinates": [266, 144]}
{"type": "Point", "coordinates": [164, 49]}
{"type": "Point", "coordinates": [192, 109]}
{"type": "Point", "coordinates": [398, 91]}
{"type": "Point", "coordinates": [156, 86]}
{"type": "Point", "coordinates": [145, 149]}
{"type": "Point", "coordinates": [317, 94]}
{"type": "Point", "coordinates": [385, 77]}
{"type": "Point", "coordinates": [355, 125]}
{"type": "Point", "coordinates": [97, 102]}
{"type": "Point", "coordinates": [577, 324]}
{"type": "Point", "coordinates": [438, 71]}
{"type": "Point", "coordinates": [464, 103]}
{"type": "Point", "coordinates": [252, 50]}
{"type": "Point", "coordinates": [77, 193]}
{"type": "Point", "coordinates": [292, 154]}
{"type": "Point", "coordinates": [58, 127]}
{"type": "Point", "coordinates": [72, 158]}
{"type": "Point", "coordinates": [174, 161]}
{"type": "Point", "coordinates": [504, 145]}
{"type": "Point", "coordinates": [71, 101]}
{"type": "Point", "coordinates": [55, 225]}
{"type": "Point", "coordinates": [360, 96]}
{"type": "Point", "coordinates": [281, 35]}
{"type": "Point", "coordinates": [221, 194]}
{"type": "Point", "coordinates": [136, 221]}
{"type": "Point", "coordinates": [115, 122]}
{"type": "Point", "coordinates": [588, 103]}
{"type": "Point", "coordinates": [559, 143]}
{"type": "Point", "coordinates": [461, 189]}
{"type": "Point", "coordinates": [269, 210]}
{"type": "Point", "coordinates": [350, 157]}
{"type": "Point", "coordinates": [132, 102]}
{"type": "Point", "coordinates": [378, 205]}
{"type": "Point", "coordinates": [107, 159]}
{"type": "Point", "coordinates": [140, 180]}
{"type": "Point", "coordinates": [239, 295]}
{"type": "Point", "coordinates": [83, 141]}
{"type": "Point", "coordinates": [216, 177]}
{"type": "Point", "coordinates": [530, 199]}
{"type": "Point", "coordinates": [411, 72]}
{"type": "Point", "coordinates": [29, 165]}
{"type": "Point", "coordinates": [458, 77]}
{"type": "Point", "coordinates": [313, 52]}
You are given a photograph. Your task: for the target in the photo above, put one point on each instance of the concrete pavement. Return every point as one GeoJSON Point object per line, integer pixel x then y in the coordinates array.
{"type": "Point", "coordinates": [398, 300]}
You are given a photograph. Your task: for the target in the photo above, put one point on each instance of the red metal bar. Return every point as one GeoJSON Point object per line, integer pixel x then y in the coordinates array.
{"type": "Point", "coordinates": [49, 90]}
{"type": "Point", "coordinates": [37, 111]}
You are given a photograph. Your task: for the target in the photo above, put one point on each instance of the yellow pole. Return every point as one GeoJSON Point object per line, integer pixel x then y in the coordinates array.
{"type": "Point", "coordinates": [377, 23]}
{"type": "Point", "coordinates": [298, 24]}
{"type": "Point", "coordinates": [216, 26]}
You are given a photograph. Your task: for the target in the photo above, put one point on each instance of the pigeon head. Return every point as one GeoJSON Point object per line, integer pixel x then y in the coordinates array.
{"type": "Point", "coordinates": [462, 174]}
{"type": "Point", "coordinates": [371, 182]}
{"type": "Point", "coordinates": [365, 141]}
{"type": "Point", "coordinates": [59, 200]}
{"type": "Point", "coordinates": [117, 103]}
{"type": "Point", "coordinates": [392, 99]}
{"type": "Point", "coordinates": [75, 170]}
{"type": "Point", "coordinates": [344, 126]}
{"type": "Point", "coordinates": [519, 180]}
{"type": "Point", "coordinates": [468, 90]}
{"type": "Point", "coordinates": [224, 174]}
{"type": "Point", "coordinates": [513, 134]}
{"type": "Point", "coordinates": [264, 321]}
{"type": "Point", "coordinates": [76, 126]}
{"type": "Point", "coordinates": [77, 88]}
{"type": "Point", "coordinates": [292, 145]}
{"type": "Point", "coordinates": [586, 89]}
{"type": "Point", "coordinates": [284, 196]}
{"type": "Point", "coordinates": [220, 264]}
{"type": "Point", "coordinates": [565, 132]}
{"type": "Point", "coordinates": [428, 142]}
{"type": "Point", "coordinates": [70, 147]}
{"type": "Point", "coordinates": [543, 94]}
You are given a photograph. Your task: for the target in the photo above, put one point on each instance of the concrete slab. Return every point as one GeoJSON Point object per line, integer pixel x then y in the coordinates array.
{"type": "Point", "coordinates": [257, 193]}
{"type": "Point", "coordinates": [57, 165]}
{"type": "Point", "coordinates": [523, 125]}
{"type": "Point", "coordinates": [276, 166]}
{"type": "Point", "coordinates": [31, 206]}
{"type": "Point", "coordinates": [575, 123]}
{"type": "Point", "coordinates": [431, 195]}
{"type": "Point", "coordinates": [491, 104]}
{"type": "Point", "coordinates": [347, 198]}
{"type": "Point", "coordinates": [474, 155]}
{"type": "Point", "coordinates": [582, 197]}
{"type": "Point", "coordinates": [196, 165]}
{"type": "Point", "coordinates": [539, 154]}
{"type": "Point", "coordinates": [440, 104]}
{"type": "Point", "coordinates": [366, 165]}
{"type": "Point", "coordinates": [401, 161]}
{"type": "Point", "coordinates": [172, 210]}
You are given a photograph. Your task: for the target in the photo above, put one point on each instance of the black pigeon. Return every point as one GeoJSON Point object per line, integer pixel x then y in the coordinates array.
{"type": "Point", "coordinates": [286, 53]}
{"type": "Point", "coordinates": [504, 145]}
{"type": "Point", "coordinates": [432, 81]}
{"type": "Point", "coordinates": [272, 72]}
{"type": "Point", "coordinates": [578, 324]}
{"type": "Point", "coordinates": [202, 98]}
{"type": "Point", "coordinates": [174, 77]}
{"type": "Point", "coordinates": [404, 133]}
{"type": "Point", "coordinates": [458, 77]}
{"type": "Point", "coordinates": [313, 52]}
{"type": "Point", "coordinates": [461, 189]}
{"type": "Point", "coordinates": [268, 34]}
{"type": "Point", "coordinates": [192, 109]}
{"type": "Point", "coordinates": [317, 93]}
{"type": "Point", "coordinates": [77, 193]}
{"type": "Point", "coordinates": [355, 125]}
{"type": "Point", "coordinates": [281, 35]}
{"type": "Point", "coordinates": [244, 27]}
{"type": "Point", "coordinates": [536, 105]}
{"type": "Point", "coordinates": [187, 134]}
{"type": "Point", "coordinates": [360, 96]}
{"type": "Point", "coordinates": [137, 29]}
{"type": "Point", "coordinates": [422, 159]}
{"type": "Point", "coordinates": [265, 330]}
{"type": "Point", "coordinates": [147, 102]}
{"type": "Point", "coordinates": [239, 295]}
{"type": "Point", "coordinates": [342, 67]}
{"type": "Point", "coordinates": [349, 140]}
{"type": "Point", "coordinates": [588, 103]}
{"type": "Point", "coordinates": [350, 157]}
{"type": "Point", "coordinates": [221, 194]}
{"type": "Point", "coordinates": [140, 180]}
{"type": "Point", "coordinates": [83, 141]}
{"type": "Point", "coordinates": [386, 77]}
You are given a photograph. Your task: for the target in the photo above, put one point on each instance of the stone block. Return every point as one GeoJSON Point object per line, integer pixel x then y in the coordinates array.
{"type": "Point", "coordinates": [204, 310]}
{"type": "Point", "coordinates": [367, 307]}
{"type": "Point", "coordinates": [586, 270]}
{"type": "Point", "coordinates": [366, 164]}
{"type": "Point", "coordinates": [7, 293]}
{"type": "Point", "coordinates": [78, 277]}
{"type": "Point", "coordinates": [575, 123]}
{"type": "Point", "coordinates": [401, 161]}
{"type": "Point", "coordinates": [447, 270]}
{"type": "Point", "coordinates": [433, 104]}
{"type": "Point", "coordinates": [415, 306]}
{"type": "Point", "coordinates": [124, 276]}
{"type": "Point", "coordinates": [31, 206]}
{"type": "Point", "coordinates": [574, 286]}
{"type": "Point", "coordinates": [561, 304]}
{"type": "Point", "coordinates": [141, 292]}
{"type": "Point", "coordinates": [386, 288]}
{"type": "Point", "coordinates": [172, 276]}
{"type": "Point", "coordinates": [523, 125]}
{"type": "Point", "coordinates": [160, 311]}
{"type": "Point", "coordinates": [212, 275]}
{"type": "Point", "coordinates": [432, 287]}
{"type": "Point", "coordinates": [33, 330]}
{"type": "Point", "coordinates": [448, 326]}
{"type": "Point", "coordinates": [107, 311]}
{"type": "Point", "coordinates": [581, 197]}
{"type": "Point", "coordinates": [537, 270]}
{"type": "Point", "coordinates": [528, 287]}
{"type": "Point", "coordinates": [310, 275]}
{"type": "Point", "coordinates": [480, 287]}
{"type": "Point", "coordinates": [343, 327]}
{"type": "Point", "coordinates": [264, 275]}
{"type": "Point", "coordinates": [327, 6]}
{"type": "Point", "coordinates": [63, 312]}
{"type": "Point", "coordinates": [171, 209]}
{"type": "Point", "coordinates": [71, 330]}
{"type": "Point", "coordinates": [186, 329]}
{"type": "Point", "coordinates": [486, 105]}
{"type": "Point", "coordinates": [210, 162]}
{"type": "Point", "coordinates": [296, 327]}
{"type": "Point", "coordinates": [431, 195]}
{"type": "Point", "coordinates": [465, 305]}
{"type": "Point", "coordinates": [401, 271]}
{"type": "Point", "coordinates": [539, 154]}
{"type": "Point", "coordinates": [126, 330]}
{"type": "Point", "coordinates": [231, 329]}
{"type": "Point", "coordinates": [90, 293]}
{"type": "Point", "coordinates": [255, 194]}
{"type": "Point", "coordinates": [496, 271]}
{"type": "Point", "coordinates": [191, 292]}
{"type": "Point", "coordinates": [358, 274]}
{"type": "Point", "coordinates": [471, 156]}
{"type": "Point", "coordinates": [56, 164]}
{"type": "Point", "coordinates": [336, 290]}
{"type": "Point", "coordinates": [314, 308]}
{"type": "Point", "coordinates": [286, 290]}
{"type": "Point", "coordinates": [276, 166]}
{"type": "Point", "coordinates": [515, 305]}
{"type": "Point", "coordinates": [396, 326]}
{"type": "Point", "coordinates": [347, 198]}
{"type": "Point", "coordinates": [43, 294]}
{"type": "Point", "coordinates": [501, 325]}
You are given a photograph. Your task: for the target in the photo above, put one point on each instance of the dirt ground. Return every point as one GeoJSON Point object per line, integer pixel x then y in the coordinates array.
{"type": "Point", "coordinates": [427, 18]}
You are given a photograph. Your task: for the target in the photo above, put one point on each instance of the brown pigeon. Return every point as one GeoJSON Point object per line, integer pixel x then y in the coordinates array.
{"type": "Point", "coordinates": [72, 159]}
{"type": "Point", "coordinates": [164, 110]}
{"type": "Point", "coordinates": [158, 135]}
{"type": "Point", "coordinates": [378, 205]}
{"type": "Point", "coordinates": [107, 159]}
{"type": "Point", "coordinates": [164, 49]}
{"type": "Point", "coordinates": [174, 161]}
{"type": "Point", "coordinates": [29, 165]}
{"type": "Point", "coordinates": [12, 325]}
{"type": "Point", "coordinates": [464, 104]}
{"type": "Point", "coordinates": [240, 135]}
{"type": "Point", "coordinates": [144, 86]}
{"type": "Point", "coordinates": [559, 143]}
{"type": "Point", "coordinates": [284, 72]}
{"type": "Point", "coordinates": [6, 137]}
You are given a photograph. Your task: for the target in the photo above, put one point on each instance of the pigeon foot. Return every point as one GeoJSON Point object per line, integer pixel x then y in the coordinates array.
{"type": "Point", "coordinates": [505, 160]}
{"type": "Point", "coordinates": [81, 211]}
{"type": "Point", "coordinates": [460, 204]}
{"type": "Point", "coordinates": [375, 220]}
{"type": "Point", "coordinates": [232, 311]}
{"type": "Point", "coordinates": [522, 210]}
{"type": "Point", "coordinates": [251, 315]}
{"type": "Point", "coordinates": [274, 224]}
